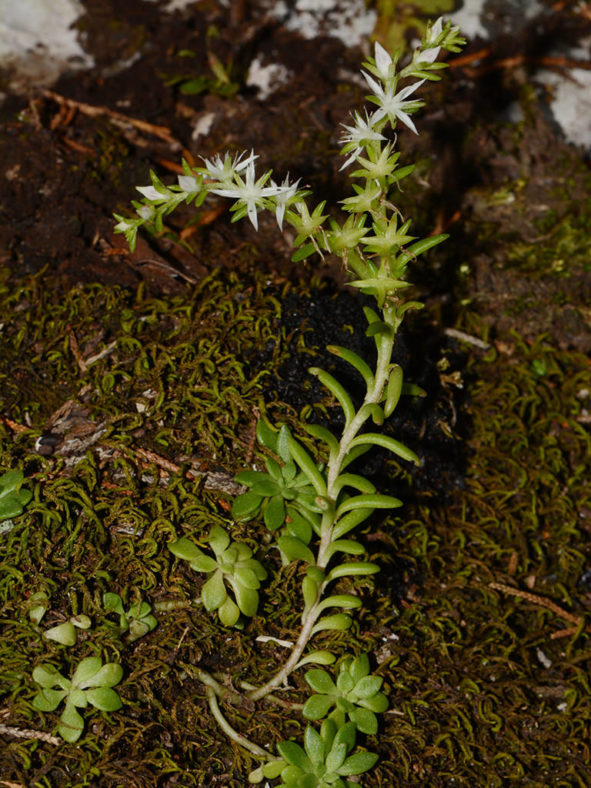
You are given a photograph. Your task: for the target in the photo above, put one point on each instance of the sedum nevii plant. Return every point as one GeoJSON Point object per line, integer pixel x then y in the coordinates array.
{"type": "Point", "coordinates": [312, 500]}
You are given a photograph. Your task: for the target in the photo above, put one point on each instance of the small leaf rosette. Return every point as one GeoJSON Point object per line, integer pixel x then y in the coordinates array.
{"type": "Point", "coordinates": [356, 694]}
{"type": "Point", "coordinates": [283, 494]}
{"type": "Point", "coordinates": [232, 566]}
{"type": "Point", "coordinates": [323, 761]}
{"type": "Point", "coordinates": [137, 621]}
{"type": "Point", "coordinates": [91, 683]}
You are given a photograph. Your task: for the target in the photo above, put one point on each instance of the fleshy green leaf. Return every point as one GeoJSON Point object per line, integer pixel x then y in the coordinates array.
{"type": "Point", "coordinates": [297, 525]}
{"type": "Point", "coordinates": [358, 763]}
{"type": "Point", "coordinates": [352, 569]}
{"type": "Point", "coordinates": [308, 466]}
{"type": "Point", "coordinates": [365, 720]}
{"type": "Point", "coordinates": [393, 389]}
{"type": "Point", "coordinates": [346, 601]}
{"type": "Point", "coordinates": [294, 754]}
{"type": "Point", "coordinates": [317, 658]}
{"type": "Point", "coordinates": [356, 361]}
{"type": "Point", "coordinates": [219, 539]}
{"type": "Point", "coordinates": [266, 435]}
{"type": "Point", "coordinates": [71, 724]}
{"type": "Point", "coordinates": [314, 746]}
{"type": "Point", "coordinates": [323, 434]}
{"type": "Point", "coordinates": [336, 757]}
{"type": "Point", "coordinates": [247, 598]}
{"type": "Point", "coordinates": [348, 546]}
{"type": "Point", "coordinates": [64, 633]}
{"type": "Point", "coordinates": [246, 506]}
{"type": "Point", "coordinates": [386, 442]}
{"type": "Point", "coordinates": [294, 549]}
{"type": "Point", "coordinates": [213, 593]}
{"type": "Point", "coordinates": [185, 549]}
{"type": "Point", "coordinates": [274, 516]}
{"type": "Point", "coordinates": [368, 686]}
{"type": "Point", "coordinates": [86, 670]}
{"type": "Point", "coordinates": [47, 676]}
{"type": "Point", "coordinates": [229, 612]}
{"type": "Point", "coordinates": [337, 622]}
{"type": "Point", "coordinates": [370, 500]}
{"type": "Point", "coordinates": [12, 498]}
{"type": "Point", "coordinates": [336, 388]}
{"type": "Point", "coordinates": [48, 699]}
{"type": "Point", "coordinates": [317, 707]}
{"type": "Point", "coordinates": [351, 520]}
{"type": "Point", "coordinates": [104, 699]}
{"type": "Point", "coordinates": [320, 681]}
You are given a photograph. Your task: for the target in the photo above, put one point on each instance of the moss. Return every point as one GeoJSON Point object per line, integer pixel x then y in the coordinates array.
{"type": "Point", "coordinates": [471, 702]}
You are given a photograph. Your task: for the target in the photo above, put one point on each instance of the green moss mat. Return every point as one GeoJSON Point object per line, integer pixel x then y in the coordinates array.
{"type": "Point", "coordinates": [480, 692]}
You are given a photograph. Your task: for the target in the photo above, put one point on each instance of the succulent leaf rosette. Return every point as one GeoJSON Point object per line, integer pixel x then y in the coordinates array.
{"type": "Point", "coordinates": [232, 566]}
{"type": "Point", "coordinates": [136, 621]}
{"type": "Point", "coordinates": [322, 762]}
{"type": "Point", "coordinates": [282, 493]}
{"type": "Point", "coordinates": [91, 683]}
{"type": "Point", "coordinates": [355, 694]}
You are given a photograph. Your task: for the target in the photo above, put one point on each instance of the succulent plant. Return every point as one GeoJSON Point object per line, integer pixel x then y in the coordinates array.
{"type": "Point", "coordinates": [232, 566]}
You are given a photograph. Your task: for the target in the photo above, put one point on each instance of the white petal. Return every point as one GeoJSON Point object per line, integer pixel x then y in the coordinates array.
{"type": "Point", "coordinates": [279, 213]}
{"type": "Point", "coordinates": [150, 192]}
{"type": "Point", "coordinates": [375, 86]}
{"type": "Point", "coordinates": [188, 183]}
{"type": "Point", "coordinates": [406, 119]}
{"type": "Point", "coordinates": [408, 90]}
{"type": "Point", "coordinates": [233, 193]}
{"type": "Point", "coordinates": [252, 215]}
{"type": "Point", "coordinates": [383, 60]}
{"type": "Point", "coordinates": [435, 30]}
{"type": "Point", "coordinates": [428, 55]}
{"type": "Point", "coordinates": [145, 212]}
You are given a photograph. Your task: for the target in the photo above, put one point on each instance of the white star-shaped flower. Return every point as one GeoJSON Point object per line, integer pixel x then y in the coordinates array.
{"type": "Point", "coordinates": [250, 192]}
{"type": "Point", "coordinates": [356, 135]}
{"type": "Point", "coordinates": [223, 169]}
{"type": "Point", "coordinates": [392, 104]}
{"type": "Point", "coordinates": [284, 193]}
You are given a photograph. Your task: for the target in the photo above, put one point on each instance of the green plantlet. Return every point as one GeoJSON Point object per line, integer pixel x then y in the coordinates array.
{"type": "Point", "coordinates": [356, 695]}
{"type": "Point", "coordinates": [323, 762]}
{"type": "Point", "coordinates": [91, 683]}
{"type": "Point", "coordinates": [136, 621]}
{"type": "Point", "coordinates": [233, 565]}
{"type": "Point", "coordinates": [38, 605]}
{"type": "Point", "coordinates": [65, 633]}
{"type": "Point", "coordinates": [12, 498]}
{"type": "Point", "coordinates": [284, 495]}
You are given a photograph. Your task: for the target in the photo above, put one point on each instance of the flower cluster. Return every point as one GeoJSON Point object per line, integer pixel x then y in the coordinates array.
{"type": "Point", "coordinates": [235, 177]}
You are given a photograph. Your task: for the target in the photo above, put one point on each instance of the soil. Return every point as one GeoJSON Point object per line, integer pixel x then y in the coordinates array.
{"type": "Point", "coordinates": [503, 432]}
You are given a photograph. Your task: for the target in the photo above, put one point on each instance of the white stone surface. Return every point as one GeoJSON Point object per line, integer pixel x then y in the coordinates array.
{"type": "Point", "coordinates": [570, 103]}
{"type": "Point", "coordinates": [266, 78]}
{"type": "Point", "coordinates": [38, 40]}
{"type": "Point", "coordinates": [348, 20]}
